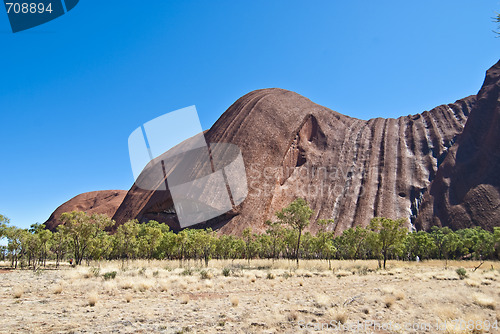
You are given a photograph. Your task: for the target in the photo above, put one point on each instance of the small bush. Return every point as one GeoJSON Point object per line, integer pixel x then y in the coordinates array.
{"type": "Point", "coordinates": [187, 272]}
{"type": "Point", "coordinates": [206, 274]}
{"type": "Point", "coordinates": [226, 272]}
{"type": "Point", "coordinates": [95, 271]}
{"type": "Point", "coordinates": [462, 273]}
{"type": "Point", "coordinates": [110, 275]}
{"type": "Point", "coordinates": [270, 276]}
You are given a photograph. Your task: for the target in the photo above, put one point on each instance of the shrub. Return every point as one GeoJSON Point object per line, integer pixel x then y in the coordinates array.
{"type": "Point", "coordinates": [462, 273]}
{"type": "Point", "coordinates": [95, 271]}
{"type": "Point", "coordinates": [110, 275]}
{"type": "Point", "coordinates": [206, 274]}
{"type": "Point", "coordinates": [187, 272]}
{"type": "Point", "coordinates": [270, 276]}
{"type": "Point", "coordinates": [226, 272]}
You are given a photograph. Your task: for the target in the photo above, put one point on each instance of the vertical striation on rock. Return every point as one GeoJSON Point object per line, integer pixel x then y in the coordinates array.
{"type": "Point", "coordinates": [466, 189]}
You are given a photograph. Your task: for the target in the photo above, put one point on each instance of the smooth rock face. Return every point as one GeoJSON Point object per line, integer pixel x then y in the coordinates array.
{"type": "Point", "coordinates": [100, 202]}
{"type": "Point", "coordinates": [347, 169]}
{"type": "Point", "coordinates": [466, 190]}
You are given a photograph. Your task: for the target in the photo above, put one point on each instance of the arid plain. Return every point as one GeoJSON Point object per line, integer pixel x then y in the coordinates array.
{"type": "Point", "coordinates": [260, 297]}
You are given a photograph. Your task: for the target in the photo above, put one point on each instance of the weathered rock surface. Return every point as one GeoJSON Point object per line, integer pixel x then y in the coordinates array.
{"type": "Point", "coordinates": [100, 202]}
{"type": "Point", "coordinates": [347, 169]}
{"type": "Point", "coordinates": [350, 169]}
{"type": "Point", "coordinates": [466, 190]}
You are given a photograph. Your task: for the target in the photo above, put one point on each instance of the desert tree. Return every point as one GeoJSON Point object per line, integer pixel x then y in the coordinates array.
{"type": "Point", "coordinates": [447, 242]}
{"type": "Point", "coordinates": [125, 240]}
{"type": "Point", "coordinates": [42, 237]}
{"type": "Point", "coordinates": [205, 242]}
{"type": "Point", "coordinates": [387, 235]}
{"type": "Point", "coordinates": [4, 222]}
{"type": "Point", "coordinates": [16, 243]}
{"type": "Point", "coordinates": [82, 231]}
{"type": "Point", "coordinates": [149, 238]}
{"type": "Point", "coordinates": [297, 216]}
{"type": "Point", "coordinates": [324, 241]}
{"type": "Point", "coordinates": [59, 245]}
{"type": "Point", "coordinates": [275, 232]}
{"type": "Point", "coordinates": [251, 244]}
{"type": "Point", "coordinates": [418, 244]}
{"type": "Point", "coordinates": [354, 241]}
{"type": "Point", "coordinates": [167, 243]}
{"type": "Point", "coordinates": [496, 241]}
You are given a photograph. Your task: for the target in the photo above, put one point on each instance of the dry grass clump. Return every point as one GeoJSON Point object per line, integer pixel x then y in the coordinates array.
{"type": "Point", "coordinates": [185, 299]}
{"type": "Point", "coordinates": [343, 273]}
{"type": "Point", "coordinates": [321, 301]}
{"type": "Point", "coordinates": [484, 301]}
{"type": "Point", "coordinates": [58, 289]}
{"type": "Point", "coordinates": [126, 284]}
{"type": "Point", "coordinates": [339, 315]}
{"type": "Point", "coordinates": [18, 292]}
{"type": "Point", "coordinates": [128, 297]}
{"type": "Point", "coordinates": [400, 295]}
{"type": "Point", "coordinates": [142, 285]}
{"type": "Point", "coordinates": [163, 285]}
{"type": "Point", "coordinates": [234, 301]}
{"type": "Point", "coordinates": [471, 282]}
{"type": "Point", "coordinates": [293, 315]}
{"type": "Point", "coordinates": [92, 299]}
{"type": "Point", "coordinates": [446, 312]}
{"type": "Point", "coordinates": [389, 301]}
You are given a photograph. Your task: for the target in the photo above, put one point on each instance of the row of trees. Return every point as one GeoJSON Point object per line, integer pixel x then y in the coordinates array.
{"type": "Point", "coordinates": [84, 237]}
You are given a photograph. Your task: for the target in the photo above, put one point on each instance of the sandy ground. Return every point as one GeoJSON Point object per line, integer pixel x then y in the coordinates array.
{"type": "Point", "coordinates": [160, 297]}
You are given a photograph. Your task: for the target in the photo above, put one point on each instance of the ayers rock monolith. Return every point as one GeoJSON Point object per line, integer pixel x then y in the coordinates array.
{"type": "Point", "coordinates": [347, 169]}
{"type": "Point", "coordinates": [419, 167]}
{"type": "Point", "coordinates": [466, 190]}
{"type": "Point", "coordinates": [100, 202]}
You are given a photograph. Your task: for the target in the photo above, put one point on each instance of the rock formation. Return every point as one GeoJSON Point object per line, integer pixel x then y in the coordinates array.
{"type": "Point", "coordinates": [347, 169]}
{"type": "Point", "coordinates": [417, 166]}
{"type": "Point", "coordinates": [466, 190]}
{"type": "Point", "coordinates": [101, 202]}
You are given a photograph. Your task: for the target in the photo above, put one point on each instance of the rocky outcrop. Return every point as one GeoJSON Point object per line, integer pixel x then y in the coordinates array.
{"type": "Point", "coordinates": [419, 166]}
{"type": "Point", "coordinates": [100, 202]}
{"type": "Point", "coordinates": [347, 169]}
{"type": "Point", "coordinates": [466, 190]}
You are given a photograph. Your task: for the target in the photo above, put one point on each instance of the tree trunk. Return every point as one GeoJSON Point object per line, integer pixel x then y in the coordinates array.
{"type": "Point", "coordinates": [298, 246]}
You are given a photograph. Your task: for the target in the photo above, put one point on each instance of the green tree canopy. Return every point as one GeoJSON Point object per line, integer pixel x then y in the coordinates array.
{"type": "Point", "coordinates": [297, 216]}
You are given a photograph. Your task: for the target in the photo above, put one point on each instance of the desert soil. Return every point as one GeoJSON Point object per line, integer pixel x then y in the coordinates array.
{"type": "Point", "coordinates": [160, 297]}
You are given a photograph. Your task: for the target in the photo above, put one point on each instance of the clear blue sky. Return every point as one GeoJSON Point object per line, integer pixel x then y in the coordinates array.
{"type": "Point", "coordinates": [72, 90]}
